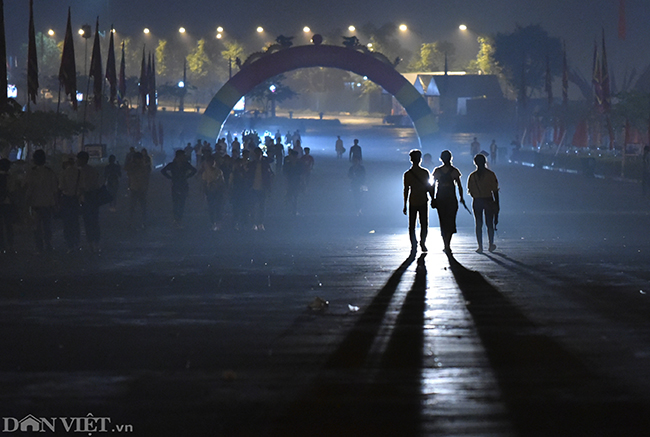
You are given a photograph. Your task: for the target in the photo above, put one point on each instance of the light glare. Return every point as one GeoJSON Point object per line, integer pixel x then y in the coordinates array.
{"type": "Point", "coordinates": [260, 29]}
{"type": "Point", "coordinates": [146, 30]}
{"type": "Point", "coordinates": [306, 29]}
{"type": "Point", "coordinates": [462, 27]}
{"type": "Point", "coordinates": [181, 30]}
{"type": "Point", "coordinates": [352, 28]}
{"type": "Point", "coordinates": [403, 27]}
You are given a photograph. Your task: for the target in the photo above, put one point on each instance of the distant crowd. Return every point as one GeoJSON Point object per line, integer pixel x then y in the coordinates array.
{"type": "Point", "coordinates": [235, 176]}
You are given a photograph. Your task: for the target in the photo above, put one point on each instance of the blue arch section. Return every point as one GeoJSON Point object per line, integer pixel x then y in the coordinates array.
{"type": "Point", "coordinates": [293, 58]}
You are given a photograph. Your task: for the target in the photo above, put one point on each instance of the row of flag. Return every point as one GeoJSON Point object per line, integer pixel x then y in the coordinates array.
{"type": "Point", "coordinates": [68, 71]}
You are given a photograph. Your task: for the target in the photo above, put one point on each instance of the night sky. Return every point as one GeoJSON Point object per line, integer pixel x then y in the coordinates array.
{"type": "Point", "coordinates": [579, 22]}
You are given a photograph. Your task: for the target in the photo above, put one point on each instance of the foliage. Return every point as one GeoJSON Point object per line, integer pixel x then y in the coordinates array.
{"type": "Point", "coordinates": [38, 127]}
{"type": "Point", "coordinates": [162, 57]}
{"type": "Point", "coordinates": [485, 62]}
{"type": "Point", "coordinates": [522, 55]}
{"type": "Point", "coordinates": [431, 57]}
{"type": "Point", "coordinates": [384, 40]}
{"type": "Point", "coordinates": [318, 79]}
{"type": "Point", "coordinates": [262, 93]}
{"type": "Point", "coordinates": [633, 106]}
{"type": "Point", "coordinates": [198, 62]}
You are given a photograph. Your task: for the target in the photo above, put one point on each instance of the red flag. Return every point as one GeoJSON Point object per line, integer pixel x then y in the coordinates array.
{"type": "Point", "coordinates": [32, 61]}
{"type": "Point", "coordinates": [68, 70]}
{"type": "Point", "coordinates": [581, 136]}
{"type": "Point", "coordinates": [565, 79]}
{"type": "Point", "coordinates": [143, 84]}
{"type": "Point", "coordinates": [96, 69]}
{"type": "Point", "coordinates": [111, 75]}
{"type": "Point", "coordinates": [621, 19]}
{"type": "Point", "coordinates": [121, 89]}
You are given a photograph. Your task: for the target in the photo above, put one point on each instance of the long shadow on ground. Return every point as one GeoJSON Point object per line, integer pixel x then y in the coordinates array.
{"type": "Point", "coordinates": [548, 390]}
{"type": "Point", "coordinates": [355, 394]}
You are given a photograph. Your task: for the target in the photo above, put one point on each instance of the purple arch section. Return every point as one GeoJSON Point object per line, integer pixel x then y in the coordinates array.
{"type": "Point", "coordinates": [294, 58]}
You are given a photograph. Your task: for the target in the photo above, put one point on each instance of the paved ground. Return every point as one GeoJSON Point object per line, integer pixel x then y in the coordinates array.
{"type": "Point", "coordinates": [194, 332]}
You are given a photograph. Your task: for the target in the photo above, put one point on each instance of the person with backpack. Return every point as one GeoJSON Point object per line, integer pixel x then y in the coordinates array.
{"type": "Point", "coordinates": [7, 207]}
{"type": "Point", "coordinates": [42, 195]}
{"type": "Point", "coordinates": [445, 180]}
{"type": "Point", "coordinates": [417, 187]}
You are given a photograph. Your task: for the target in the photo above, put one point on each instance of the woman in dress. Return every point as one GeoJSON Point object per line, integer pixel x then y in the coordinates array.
{"type": "Point", "coordinates": [445, 180]}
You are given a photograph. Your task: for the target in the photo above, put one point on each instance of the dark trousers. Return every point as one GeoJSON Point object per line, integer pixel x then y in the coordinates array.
{"type": "Point", "coordinates": [6, 226]}
{"type": "Point", "coordinates": [43, 226]}
{"type": "Point", "coordinates": [484, 206]}
{"type": "Point", "coordinates": [215, 205]}
{"type": "Point", "coordinates": [179, 196]}
{"type": "Point", "coordinates": [138, 198]}
{"type": "Point", "coordinates": [90, 215]}
{"type": "Point", "coordinates": [70, 217]}
{"type": "Point", "coordinates": [423, 212]}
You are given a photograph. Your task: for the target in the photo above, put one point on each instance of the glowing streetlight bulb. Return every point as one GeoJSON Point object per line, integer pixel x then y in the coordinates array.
{"type": "Point", "coordinates": [81, 32]}
{"type": "Point", "coordinates": [306, 29]}
{"type": "Point", "coordinates": [146, 30]}
{"type": "Point", "coordinates": [181, 30]}
{"type": "Point", "coordinates": [462, 27]}
{"type": "Point", "coordinates": [260, 29]}
{"type": "Point", "coordinates": [403, 27]}
{"type": "Point", "coordinates": [219, 29]}
{"type": "Point", "coordinates": [219, 36]}
{"type": "Point", "coordinates": [50, 32]}
{"type": "Point", "coordinates": [352, 28]}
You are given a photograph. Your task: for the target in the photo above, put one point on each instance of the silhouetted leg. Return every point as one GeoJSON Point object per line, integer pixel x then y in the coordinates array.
{"type": "Point", "coordinates": [478, 220]}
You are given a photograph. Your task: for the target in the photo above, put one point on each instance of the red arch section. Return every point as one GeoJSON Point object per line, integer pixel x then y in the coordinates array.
{"type": "Point", "coordinates": [294, 58]}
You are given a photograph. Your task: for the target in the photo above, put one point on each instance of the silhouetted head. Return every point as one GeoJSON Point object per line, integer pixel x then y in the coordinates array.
{"type": "Point", "coordinates": [82, 158]}
{"type": "Point", "coordinates": [111, 159]}
{"type": "Point", "coordinates": [415, 156]}
{"type": "Point", "coordinates": [39, 157]}
{"type": "Point", "coordinates": [445, 156]}
{"type": "Point", "coordinates": [180, 154]}
{"type": "Point", "coordinates": [356, 141]}
{"type": "Point", "coordinates": [480, 160]}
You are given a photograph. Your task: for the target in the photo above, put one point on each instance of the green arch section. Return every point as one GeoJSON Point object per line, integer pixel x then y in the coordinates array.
{"type": "Point", "coordinates": [293, 58]}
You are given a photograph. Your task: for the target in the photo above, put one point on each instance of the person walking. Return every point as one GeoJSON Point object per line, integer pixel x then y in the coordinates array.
{"type": "Point", "coordinates": [475, 147]}
{"type": "Point", "coordinates": [112, 175]}
{"type": "Point", "coordinates": [357, 176]}
{"type": "Point", "coordinates": [261, 181]}
{"type": "Point", "coordinates": [355, 152]}
{"type": "Point", "coordinates": [89, 184]}
{"type": "Point", "coordinates": [69, 204]}
{"type": "Point", "coordinates": [494, 150]}
{"type": "Point", "coordinates": [42, 193]}
{"type": "Point", "coordinates": [445, 180]}
{"type": "Point", "coordinates": [483, 186]}
{"type": "Point", "coordinates": [138, 172]}
{"type": "Point", "coordinates": [7, 207]}
{"type": "Point", "coordinates": [417, 187]}
{"type": "Point", "coordinates": [179, 171]}
{"type": "Point", "coordinates": [214, 187]}
{"type": "Point", "coordinates": [338, 147]}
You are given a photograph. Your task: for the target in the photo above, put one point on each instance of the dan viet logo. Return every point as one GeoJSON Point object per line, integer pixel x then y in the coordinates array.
{"type": "Point", "coordinates": [87, 424]}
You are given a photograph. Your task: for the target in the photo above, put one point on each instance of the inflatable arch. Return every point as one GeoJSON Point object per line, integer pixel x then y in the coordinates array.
{"type": "Point", "coordinates": [293, 58]}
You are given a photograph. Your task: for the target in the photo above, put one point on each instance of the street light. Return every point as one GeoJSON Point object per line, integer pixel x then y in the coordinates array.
{"type": "Point", "coordinates": [306, 29]}
{"type": "Point", "coordinates": [146, 31]}
{"type": "Point", "coordinates": [352, 28]}
{"type": "Point", "coordinates": [181, 30]}
{"type": "Point", "coordinates": [50, 32]}
{"type": "Point", "coordinates": [462, 27]}
{"type": "Point", "coordinates": [403, 27]}
{"type": "Point", "coordinates": [259, 29]}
